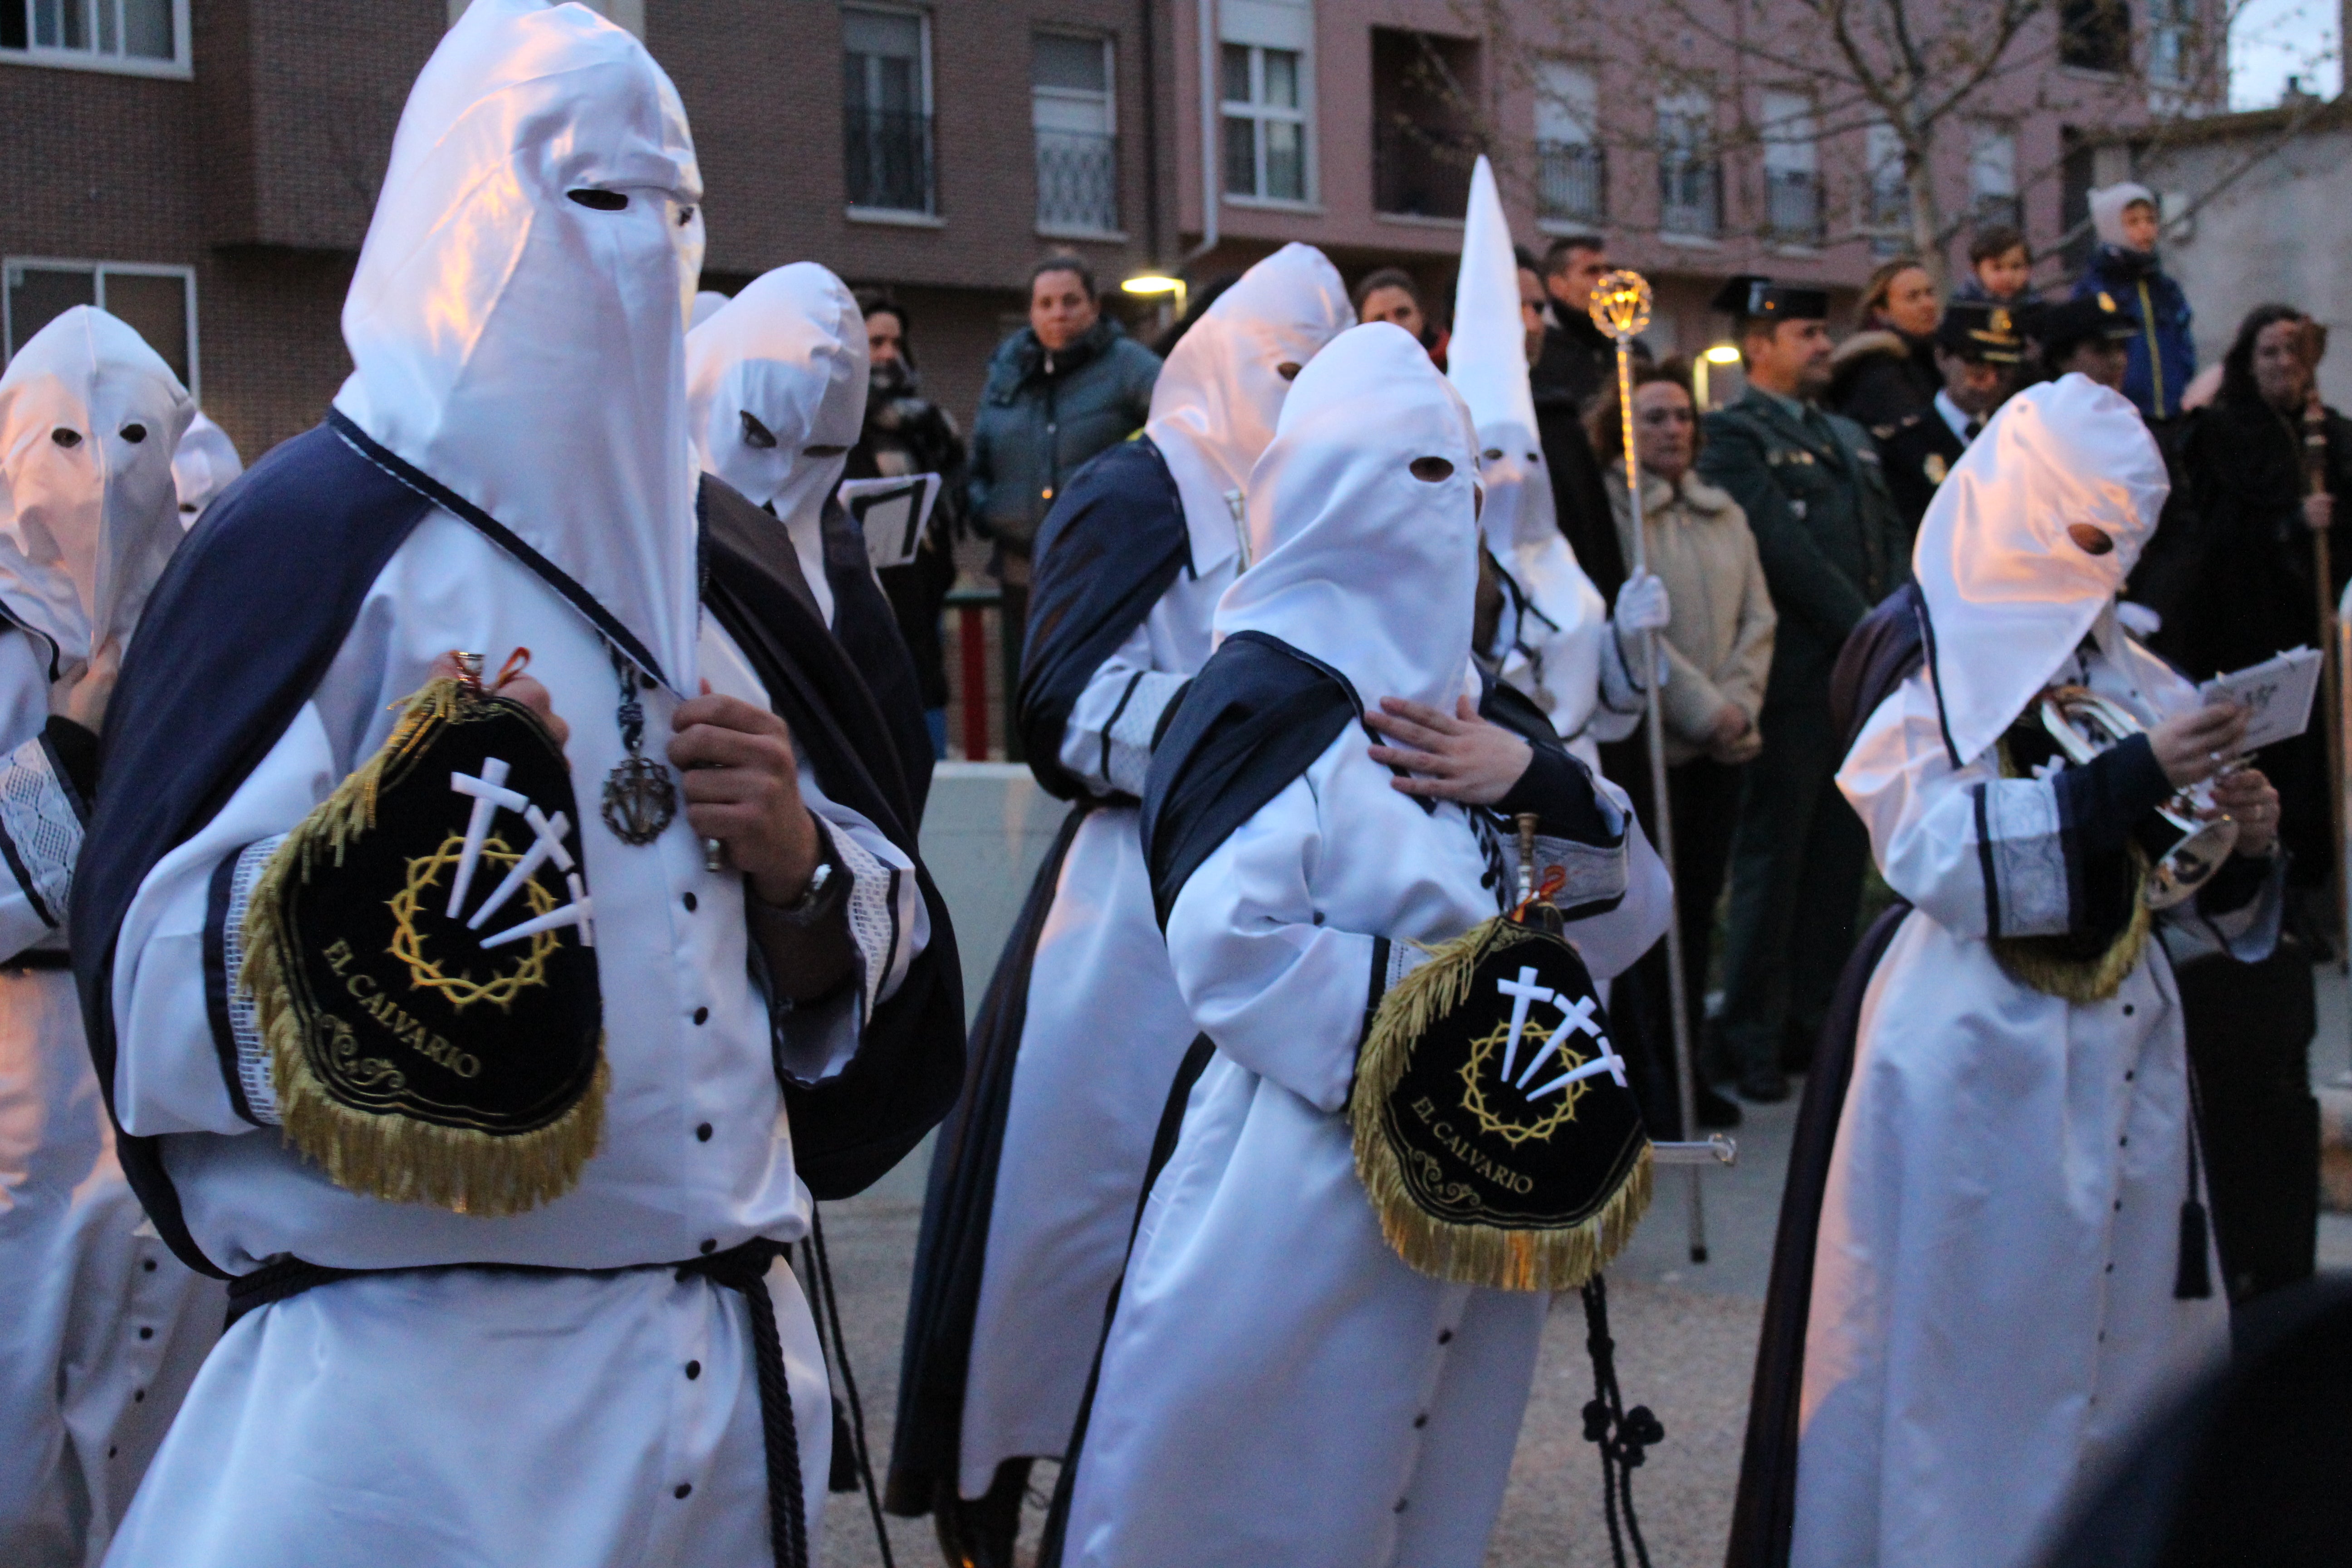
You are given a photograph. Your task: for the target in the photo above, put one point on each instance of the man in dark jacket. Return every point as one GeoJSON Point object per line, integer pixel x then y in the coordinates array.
{"type": "Point", "coordinates": [1976, 354]}
{"type": "Point", "coordinates": [907, 433]}
{"type": "Point", "coordinates": [1579, 360]}
{"type": "Point", "coordinates": [2126, 268]}
{"type": "Point", "coordinates": [1060, 390]}
{"type": "Point", "coordinates": [1831, 546]}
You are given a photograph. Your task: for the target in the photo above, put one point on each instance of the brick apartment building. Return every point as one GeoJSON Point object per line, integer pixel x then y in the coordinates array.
{"type": "Point", "coordinates": [206, 168]}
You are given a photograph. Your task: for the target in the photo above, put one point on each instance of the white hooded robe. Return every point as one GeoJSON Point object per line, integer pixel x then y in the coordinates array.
{"type": "Point", "coordinates": [1992, 1305]}
{"type": "Point", "coordinates": [101, 1329]}
{"type": "Point", "coordinates": [1106, 1027]}
{"type": "Point", "coordinates": [1277, 1386]}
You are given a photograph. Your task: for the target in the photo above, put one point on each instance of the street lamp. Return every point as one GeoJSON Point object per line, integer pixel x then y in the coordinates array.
{"type": "Point", "coordinates": [1721, 353]}
{"type": "Point", "coordinates": [1150, 283]}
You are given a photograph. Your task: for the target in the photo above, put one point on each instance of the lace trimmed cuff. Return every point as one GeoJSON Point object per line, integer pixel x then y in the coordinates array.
{"type": "Point", "coordinates": [41, 817]}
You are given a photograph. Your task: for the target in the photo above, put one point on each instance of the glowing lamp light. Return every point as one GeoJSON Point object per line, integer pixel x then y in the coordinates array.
{"type": "Point", "coordinates": [1723, 354]}
{"type": "Point", "coordinates": [1150, 283]}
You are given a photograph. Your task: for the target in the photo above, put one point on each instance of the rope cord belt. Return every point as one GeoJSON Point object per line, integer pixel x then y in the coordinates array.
{"type": "Point", "coordinates": [743, 1269]}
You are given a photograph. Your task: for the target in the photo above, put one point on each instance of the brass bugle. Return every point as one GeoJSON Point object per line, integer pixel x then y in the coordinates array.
{"type": "Point", "coordinates": [2186, 849]}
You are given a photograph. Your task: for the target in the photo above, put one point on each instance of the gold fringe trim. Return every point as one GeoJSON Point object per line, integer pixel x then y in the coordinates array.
{"type": "Point", "coordinates": [1498, 1257]}
{"type": "Point", "coordinates": [389, 1155]}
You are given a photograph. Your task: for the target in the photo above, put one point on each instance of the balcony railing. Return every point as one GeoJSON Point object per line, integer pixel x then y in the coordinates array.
{"type": "Point", "coordinates": [887, 156]}
{"type": "Point", "coordinates": [1690, 199]}
{"type": "Point", "coordinates": [1571, 182]}
{"type": "Point", "coordinates": [1078, 181]}
{"type": "Point", "coordinates": [1793, 206]}
{"type": "Point", "coordinates": [1420, 171]}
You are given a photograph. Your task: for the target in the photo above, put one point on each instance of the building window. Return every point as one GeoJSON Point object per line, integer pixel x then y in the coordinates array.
{"type": "Point", "coordinates": [1792, 170]}
{"type": "Point", "coordinates": [158, 302]}
{"type": "Point", "coordinates": [1076, 123]}
{"type": "Point", "coordinates": [1885, 193]}
{"type": "Point", "coordinates": [148, 36]}
{"type": "Point", "coordinates": [1689, 178]}
{"type": "Point", "coordinates": [1265, 122]}
{"type": "Point", "coordinates": [2171, 25]}
{"type": "Point", "coordinates": [1992, 176]}
{"type": "Point", "coordinates": [886, 109]}
{"type": "Point", "coordinates": [1571, 170]}
{"type": "Point", "coordinates": [1424, 133]}
{"type": "Point", "coordinates": [2094, 35]}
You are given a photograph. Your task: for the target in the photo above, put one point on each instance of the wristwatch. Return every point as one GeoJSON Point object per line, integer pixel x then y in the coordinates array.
{"type": "Point", "coordinates": [827, 886]}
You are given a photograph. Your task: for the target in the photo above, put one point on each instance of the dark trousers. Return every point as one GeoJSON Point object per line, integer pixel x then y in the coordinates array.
{"type": "Point", "coordinates": [1797, 863]}
{"type": "Point", "coordinates": [1704, 796]}
{"type": "Point", "coordinates": [2249, 1027]}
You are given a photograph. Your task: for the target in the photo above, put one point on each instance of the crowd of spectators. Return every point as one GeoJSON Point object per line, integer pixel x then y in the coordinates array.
{"type": "Point", "coordinates": [1777, 519]}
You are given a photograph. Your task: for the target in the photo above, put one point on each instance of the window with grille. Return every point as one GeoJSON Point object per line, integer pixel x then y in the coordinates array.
{"type": "Point", "coordinates": [158, 302]}
{"type": "Point", "coordinates": [1689, 178]}
{"type": "Point", "coordinates": [1072, 109]}
{"type": "Point", "coordinates": [1792, 169]}
{"type": "Point", "coordinates": [886, 109]}
{"type": "Point", "coordinates": [2171, 27]}
{"type": "Point", "coordinates": [1264, 103]}
{"type": "Point", "coordinates": [1571, 170]}
{"type": "Point", "coordinates": [143, 35]}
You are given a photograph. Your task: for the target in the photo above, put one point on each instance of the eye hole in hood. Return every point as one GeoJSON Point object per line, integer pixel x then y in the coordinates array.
{"type": "Point", "coordinates": [756, 434]}
{"type": "Point", "coordinates": [602, 200]}
{"type": "Point", "coordinates": [1431, 470]}
{"type": "Point", "coordinates": [134, 433]}
{"type": "Point", "coordinates": [66, 437]}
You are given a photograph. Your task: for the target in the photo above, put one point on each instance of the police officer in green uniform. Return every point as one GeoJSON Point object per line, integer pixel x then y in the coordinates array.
{"type": "Point", "coordinates": [1833, 546]}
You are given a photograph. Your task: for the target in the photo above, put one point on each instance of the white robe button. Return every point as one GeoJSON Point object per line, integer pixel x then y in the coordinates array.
{"type": "Point", "coordinates": [683, 1490]}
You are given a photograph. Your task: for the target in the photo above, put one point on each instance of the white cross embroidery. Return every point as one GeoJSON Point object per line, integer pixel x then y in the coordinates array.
{"type": "Point", "coordinates": [1522, 992]}
{"type": "Point", "coordinates": [491, 794]}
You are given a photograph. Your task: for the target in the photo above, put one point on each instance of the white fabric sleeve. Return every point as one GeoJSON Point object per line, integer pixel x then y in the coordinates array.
{"type": "Point", "coordinates": [173, 1062]}
{"type": "Point", "coordinates": [1981, 854]}
{"type": "Point", "coordinates": [1623, 700]}
{"type": "Point", "coordinates": [888, 922]}
{"type": "Point", "coordinates": [1280, 995]}
{"type": "Point", "coordinates": [1610, 942]}
{"type": "Point", "coordinates": [1107, 742]}
{"type": "Point", "coordinates": [40, 839]}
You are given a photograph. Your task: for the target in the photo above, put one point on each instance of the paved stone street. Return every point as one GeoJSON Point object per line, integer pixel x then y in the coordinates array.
{"type": "Point", "coordinates": [1686, 1332]}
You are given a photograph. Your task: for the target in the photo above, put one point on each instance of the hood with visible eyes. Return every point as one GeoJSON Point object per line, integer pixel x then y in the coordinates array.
{"type": "Point", "coordinates": [89, 418]}
{"type": "Point", "coordinates": [1363, 552]}
{"type": "Point", "coordinates": [203, 466]}
{"type": "Point", "coordinates": [516, 321]}
{"type": "Point", "coordinates": [1214, 406]}
{"type": "Point", "coordinates": [776, 383]}
{"type": "Point", "coordinates": [2027, 542]}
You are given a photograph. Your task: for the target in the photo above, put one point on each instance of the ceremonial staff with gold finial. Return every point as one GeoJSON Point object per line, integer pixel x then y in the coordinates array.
{"type": "Point", "coordinates": [1621, 307]}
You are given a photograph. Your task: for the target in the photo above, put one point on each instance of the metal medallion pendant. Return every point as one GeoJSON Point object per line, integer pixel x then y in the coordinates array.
{"type": "Point", "coordinates": [640, 800]}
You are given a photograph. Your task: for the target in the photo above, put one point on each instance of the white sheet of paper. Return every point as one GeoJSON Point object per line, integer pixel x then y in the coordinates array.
{"type": "Point", "coordinates": [891, 513]}
{"type": "Point", "coordinates": [2276, 694]}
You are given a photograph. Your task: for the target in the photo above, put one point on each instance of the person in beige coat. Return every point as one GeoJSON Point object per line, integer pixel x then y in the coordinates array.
{"type": "Point", "coordinates": [1718, 649]}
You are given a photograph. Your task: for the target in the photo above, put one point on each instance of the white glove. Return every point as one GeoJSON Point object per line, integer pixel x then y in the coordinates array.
{"type": "Point", "coordinates": [1642, 604]}
{"type": "Point", "coordinates": [2138, 619]}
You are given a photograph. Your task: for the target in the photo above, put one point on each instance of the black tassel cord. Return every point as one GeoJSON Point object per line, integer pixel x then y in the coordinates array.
{"type": "Point", "coordinates": [1622, 1435]}
{"type": "Point", "coordinates": [2192, 1278]}
{"type": "Point", "coordinates": [828, 1330]}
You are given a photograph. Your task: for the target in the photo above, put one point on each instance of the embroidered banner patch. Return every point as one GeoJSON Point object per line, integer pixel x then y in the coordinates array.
{"type": "Point", "coordinates": [1495, 1130]}
{"type": "Point", "coordinates": [421, 956]}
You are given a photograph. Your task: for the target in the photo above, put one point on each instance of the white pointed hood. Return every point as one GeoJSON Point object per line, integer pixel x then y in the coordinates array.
{"type": "Point", "coordinates": [2010, 593]}
{"type": "Point", "coordinates": [203, 466]}
{"type": "Point", "coordinates": [776, 387]}
{"type": "Point", "coordinates": [523, 348]}
{"type": "Point", "coordinates": [90, 416]}
{"type": "Point", "coordinates": [1355, 559]}
{"type": "Point", "coordinates": [1486, 360]}
{"type": "Point", "coordinates": [1214, 406]}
